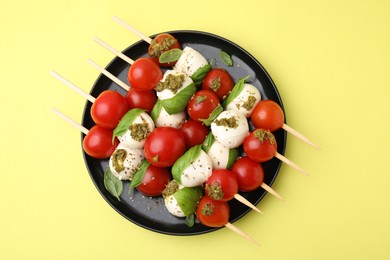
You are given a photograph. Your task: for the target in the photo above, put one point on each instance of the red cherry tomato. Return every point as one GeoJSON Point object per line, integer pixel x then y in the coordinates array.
{"type": "Point", "coordinates": [202, 104]}
{"type": "Point", "coordinates": [194, 132]}
{"type": "Point", "coordinates": [221, 185]}
{"type": "Point", "coordinates": [98, 142]}
{"type": "Point", "coordinates": [164, 146]}
{"type": "Point", "coordinates": [160, 44]}
{"type": "Point", "coordinates": [268, 115]}
{"type": "Point", "coordinates": [108, 109]}
{"type": "Point", "coordinates": [213, 213]}
{"type": "Point", "coordinates": [154, 181]}
{"type": "Point", "coordinates": [219, 81]}
{"type": "Point", "coordinates": [249, 174]}
{"type": "Point", "coordinates": [141, 99]}
{"type": "Point", "coordinates": [260, 145]}
{"type": "Point", "coordinates": [144, 74]}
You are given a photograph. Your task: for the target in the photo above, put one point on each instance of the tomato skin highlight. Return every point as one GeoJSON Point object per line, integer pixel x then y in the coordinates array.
{"type": "Point", "coordinates": [213, 213]}
{"type": "Point", "coordinates": [202, 104]}
{"type": "Point", "coordinates": [141, 99]}
{"type": "Point", "coordinates": [108, 109]}
{"type": "Point", "coordinates": [154, 181]}
{"type": "Point", "coordinates": [226, 180]}
{"type": "Point", "coordinates": [144, 74]}
{"type": "Point", "coordinates": [164, 146]}
{"type": "Point", "coordinates": [98, 142]}
{"type": "Point", "coordinates": [155, 55]}
{"type": "Point", "coordinates": [259, 151]}
{"type": "Point", "coordinates": [268, 115]}
{"type": "Point", "coordinates": [249, 174]}
{"type": "Point", "coordinates": [221, 78]}
{"type": "Point", "coordinates": [194, 132]}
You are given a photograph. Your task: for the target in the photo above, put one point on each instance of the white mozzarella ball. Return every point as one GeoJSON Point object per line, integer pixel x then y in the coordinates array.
{"type": "Point", "coordinates": [173, 206]}
{"type": "Point", "coordinates": [246, 101]}
{"type": "Point", "coordinates": [124, 162]}
{"type": "Point", "coordinates": [190, 61]}
{"type": "Point", "coordinates": [127, 138]}
{"type": "Point", "coordinates": [230, 136]}
{"type": "Point", "coordinates": [167, 93]}
{"type": "Point", "coordinates": [197, 172]}
{"type": "Point", "coordinates": [165, 119]}
{"type": "Point", "coordinates": [219, 155]}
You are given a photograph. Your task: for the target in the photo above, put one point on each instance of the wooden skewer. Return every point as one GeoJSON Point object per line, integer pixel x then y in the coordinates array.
{"type": "Point", "coordinates": [132, 29]}
{"type": "Point", "coordinates": [73, 86]}
{"type": "Point", "coordinates": [271, 191]}
{"type": "Point", "coordinates": [290, 163]}
{"type": "Point", "coordinates": [299, 135]}
{"type": "Point", "coordinates": [246, 202]}
{"type": "Point", "coordinates": [109, 75]}
{"type": "Point", "coordinates": [70, 121]}
{"type": "Point", "coordinates": [113, 50]}
{"type": "Point", "coordinates": [241, 233]}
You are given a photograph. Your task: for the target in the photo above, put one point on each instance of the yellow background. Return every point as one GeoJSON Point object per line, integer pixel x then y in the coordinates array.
{"type": "Point", "coordinates": [330, 61]}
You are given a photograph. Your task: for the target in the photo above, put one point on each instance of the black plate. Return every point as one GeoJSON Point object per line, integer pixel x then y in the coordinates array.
{"type": "Point", "coordinates": [148, 212]}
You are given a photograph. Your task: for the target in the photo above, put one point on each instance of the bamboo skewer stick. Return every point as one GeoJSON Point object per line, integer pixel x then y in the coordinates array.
{"type": "Point", "coordinates": [132, 29]}
{"type": "Point", "coordinates": [299, 135]}
{"type": "Point", "coordinates": [70, 121]}
{"type": "Point", "coordinates": [241, 233]}
{"type": "Point", "coordinates": [290, 163]}
{"type": "Point", "coordinates": [271, 191]}
{"type": "Point", "coordinates": [109, 75]}
{"type": "Point", "coordinates": [113, 50]}
{"type": "Point", "coordinates": [246, 202]}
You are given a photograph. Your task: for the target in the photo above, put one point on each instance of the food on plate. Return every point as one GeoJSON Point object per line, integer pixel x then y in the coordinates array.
{"type": "Point", "coordinates": [193, 168]}
{"type": "Point", "coordinates": [249, 174]}
{"type": "Point", "coordinates": [260, 145]}
{"type": "Point", "coordinates": [160, 44]}
{"type": "Point", "coordinates": [230, 128]}
{"type": "Point", "coordinates": [133, 128]}
{"type": "Point", "coordinates": [98, 142]}
{"type": "Point", "coordinates": [268, 115]}
{"type": "Point", "coordinates": [144, 74]}
{"type": "Point", "coordinates": [221, 185]}
{"type": "Point", "coordinates": [143, 99]}
{"type": "Point", "coordinates": [124, 162]}
{"type": "Point", "coordinates": [204, 107]}
{"type": "Point", "coordinates": [194, 132]}
{"type": "Point", "coordinates": [162, 118]}
{"type": "Point", "coordinates": [213, 213]}
{"type": "Point", "coordinates": [219, 81]}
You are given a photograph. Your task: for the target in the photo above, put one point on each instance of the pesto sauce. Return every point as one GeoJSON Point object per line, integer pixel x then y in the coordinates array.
{"type": "Point", "coordinates": [118, 159]}
{"type": "Point", "coordinates": [200, 99]}
{"type": "Point", "coordinates": [156, 48]}
{"type": "Point", "coordinates": [215, 84]}
{"type": "Point", "coordinates": [172, 82]}
{"type": "Point", "coordinates": [170, 189]}
{"type": "Point", "coordinates": [214, 191]}
{"type": "Point", "coordinates": [248, 105]}
{"type": "Point", "coordinates": [264, 135]}
{"type": "Point", "coordinates": [139, 131]}
{"type": "Point", "coordinates": [230, 122]}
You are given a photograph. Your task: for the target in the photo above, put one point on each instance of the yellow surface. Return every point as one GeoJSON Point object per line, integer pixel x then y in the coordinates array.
{"type": "Point", "coordinates": [330, 61]}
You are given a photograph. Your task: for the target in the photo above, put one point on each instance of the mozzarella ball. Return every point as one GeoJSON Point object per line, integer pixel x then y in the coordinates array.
{"type": "Point", "coordinates": [190, 61]}
{"type": "Point", "coordinates": [197, 172]}
{"type": "Point", "coordinates": [165, 119]}
{"type": "Point", "coordinates": [246, 100]}
{"type": "Point", "coordinates": [167, 93]}
{"type": "Point", "coordinates": [173, 206]}
{"type": "Point", "coordinates": [124, 162]}
{"type": "Point", "coordinates": [135, 136]}
{"type": "Point", "coordinates": [219, 155]}
{"type": "Point", "coordinates": [230, 128]}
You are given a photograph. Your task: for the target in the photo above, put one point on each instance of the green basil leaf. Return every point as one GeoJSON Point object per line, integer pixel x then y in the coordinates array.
{"type": "Point", "coordinates": [233, 155]}
{"type": "Point", "coordinates": [200, 74]}
{"type": "Point", "coordinates": [112, 184]}
{"type": "Point", "coordinates": [184, 161]}
{"type": "Point", "coordinates": [213, 115]}
{"type": "Point", "coordinates": [238, 87]}
{"type": "Point", "coordinates": [226, 59]}
{"type": "Point", "coordinates": [179, 102]}
{"type": "Point", "coordinates": [156, 110]}
{"type": "Point", "coordinates": [190, 220]}
{"type": "Point", "coordinates": [208, 142]}
{"type": "Point", "coordinates": [125, 122]}
{"type": "Point", "coordinates": [170, 56]}
{"type": "Point", "coordinates": [188, 199]}
{"type": "Point", "coordinates": [139, 175]}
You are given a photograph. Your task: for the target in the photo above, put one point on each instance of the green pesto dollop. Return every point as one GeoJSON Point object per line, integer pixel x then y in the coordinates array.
{"type": "Point", "coordinates": [215, 84]}
{"type": "Point", "coordinates": [172, 82]}
{"type": "Point", "coordinates": [118, 159]}
{"type": "Point", "coordinates": [156, 48]}
{"type": "Point", "coordinates": [230, 122]}
{"type": "Point", "coordinates": [264, 135]}
{"type": "Point", "coordinates": [170, 189]}
{"type": "Point", "coordinates": [139, 131]}
{"type": "Point", "coordinates": [248, 105]}
{"type": "Point", "coordinates": [214, 191]}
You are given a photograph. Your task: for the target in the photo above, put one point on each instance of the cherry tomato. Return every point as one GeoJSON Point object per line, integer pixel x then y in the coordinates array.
{"type": "Point", "coordinates": [194, 132]}
{"type": "Point", "coordinates": [219, 81]}
{"type": "Point", "coordinates": [98, 142]}
{"type": "Point", "coordinates": [108, 109]}
{"type": "Point", "coordinates": [249, 174]}
{"type": "Point", "coordinates": [144, 74]}
{"type": "Point", "coordinates": [260, 145]}
{"type": "Point", "coordinates": [202, 104]}
{"type": "Point", "coordinates": [141, 99]}
{"type": "Point", "coordinates": [164, 146]}
{"type": "Point", "coordinates": [221, 185]}
{"type": "Point", "coordinates": [213, 213]}
{"type": "Point", "coordinates": [160, 44]}
{"type": "Point", "coordinates": [154, 181]}
{"type": "Point", "coordinates": [268, 115]}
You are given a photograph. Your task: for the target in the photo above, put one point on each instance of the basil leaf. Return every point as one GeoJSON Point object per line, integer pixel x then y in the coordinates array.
{"type": "Point", "coordinates": [139, 175]}
{"type": "Point", "coordinates": [179, 102]}
{"type": "Point", "coordinates": [233, 155]}
{"type": "Point", "coordinates": [170, 56]}
{"type": "Point", "coordinates": [226, 59]}
{"type": "Point", "coordinates": [208, 142]}
{"type": "Point", "coordinates": [213, 115]}
{"type": "Point", "coordinates": [156, 110]}
{"type": "Point", "coordinates": [112, 184]}
{"type": "Point", "coordinates": [125, 122]}
{"type": "Point", "coordinates": [190, 220]}
{"type": "Point", "coordinates": [200, 74]}
{"type": "Point", "coordinates": [184, 161]}
{"type": "Point", "coordinates": [188, 199]}
{"type": "Point", "coordinates": [238, 87]}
